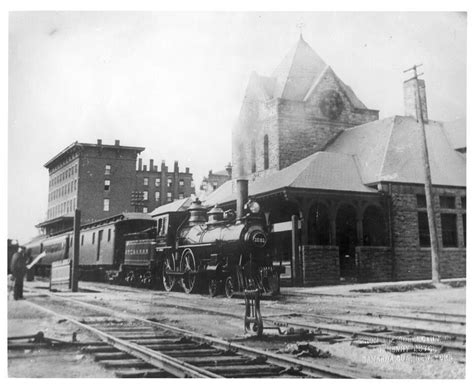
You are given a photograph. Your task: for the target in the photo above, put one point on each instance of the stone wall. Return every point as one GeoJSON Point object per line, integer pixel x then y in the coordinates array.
{"type": "Point", "coordinates": [412, 261]}
{"type": "Point", "coordinates": [320, 265]}
{"type": "Point", "coordinates": [374, 263]}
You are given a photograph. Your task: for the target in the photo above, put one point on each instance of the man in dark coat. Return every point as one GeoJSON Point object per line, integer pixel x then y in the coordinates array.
{"type": "Point", "coordinates": [18, 269]}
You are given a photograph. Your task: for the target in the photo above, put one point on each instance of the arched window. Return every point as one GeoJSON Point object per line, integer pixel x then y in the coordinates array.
{"type": "Point", "coordinates": [374, 227]}
{"type": "Point", "coordinates": [319, 227]}
{"type": "Point", "coordinates": [253, 156]}
{"type": "Point", "coordinates": [265, 153]}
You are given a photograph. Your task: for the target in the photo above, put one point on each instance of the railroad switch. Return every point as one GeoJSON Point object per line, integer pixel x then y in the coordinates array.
{"type": "Point", "coordinates": [253, 321]}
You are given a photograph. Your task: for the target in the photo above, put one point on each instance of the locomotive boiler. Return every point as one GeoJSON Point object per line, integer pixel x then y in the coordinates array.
{"type": "Point", "coordinates": [217, 249]}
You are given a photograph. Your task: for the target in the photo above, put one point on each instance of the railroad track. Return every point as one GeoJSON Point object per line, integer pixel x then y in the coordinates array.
{"type": "Point", "coordinates": [138, 347]}
{"type": "Point", "coordinates": [424, 339]}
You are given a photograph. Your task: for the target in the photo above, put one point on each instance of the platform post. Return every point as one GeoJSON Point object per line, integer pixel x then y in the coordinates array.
{"type": "Point", "coordinates": [75, 253]}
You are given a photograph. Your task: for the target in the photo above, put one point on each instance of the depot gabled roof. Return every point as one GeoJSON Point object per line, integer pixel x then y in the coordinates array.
{"type": "Point", "coordinates": [300, 72]}
{"type": "Point", "coordinates": [321, 171]}
{"type": "Point", "coordinates": [389, 150]}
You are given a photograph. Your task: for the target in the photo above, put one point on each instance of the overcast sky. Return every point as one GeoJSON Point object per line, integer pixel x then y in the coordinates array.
{"type": "Point", "coordinates": [174, 82]}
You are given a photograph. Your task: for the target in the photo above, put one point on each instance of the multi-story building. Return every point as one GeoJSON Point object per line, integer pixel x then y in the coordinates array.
{"type": "Point", "coordinates": [214, 180]}
{"type": "Point", "coordinates": [156, 187]}
{"type": "Point", "coordinates": [101, 180]}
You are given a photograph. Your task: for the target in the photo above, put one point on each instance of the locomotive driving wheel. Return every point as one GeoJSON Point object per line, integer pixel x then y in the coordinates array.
{"type": "Point", "coordinates": [169, 280]}
{"type": "Point", "coordinates": [188, 267]}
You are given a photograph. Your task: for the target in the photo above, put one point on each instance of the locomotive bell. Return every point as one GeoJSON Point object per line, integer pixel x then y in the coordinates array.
{"type": "Point", "coordinates": [216, 214]}
{"type": "Point", "coordinates": [197, 213]}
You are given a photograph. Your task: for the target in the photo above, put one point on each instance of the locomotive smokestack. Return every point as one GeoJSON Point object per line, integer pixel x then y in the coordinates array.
{"type": "Point", "coordinates": [242, 196]}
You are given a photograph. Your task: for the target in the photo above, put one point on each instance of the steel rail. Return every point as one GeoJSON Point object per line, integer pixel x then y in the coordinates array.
{"type": "Point", "coordinates": [159, 360]}
{"type": "Point", "coordinates": [307, 368]}
{"type": "Point", "coordinates": [348, 332]}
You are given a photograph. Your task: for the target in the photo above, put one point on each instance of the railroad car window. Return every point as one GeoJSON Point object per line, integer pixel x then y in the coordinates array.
{"type": "Point", "coordinates": [449, 229]}
{"type": "Point", "coordinates": [82, 239]}
{"type": "Point", "coordinates": [108, 168]}
{"type": "Point", "coordinates": [463, 202]}
{"type": "Point", "coordinates": [107, 185]}
{"type": "Point", "coordinates": [106, 204]}
{"type": "Point", "coordinates": [93, 238]}
{"type": "Point", "coordinates": [160, 224]}
{"type": "Point", "coordinates": [109, 235]}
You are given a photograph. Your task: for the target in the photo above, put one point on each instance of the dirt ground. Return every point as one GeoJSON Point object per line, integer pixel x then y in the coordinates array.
{"type": "Point", "coordinates": [339, 301]}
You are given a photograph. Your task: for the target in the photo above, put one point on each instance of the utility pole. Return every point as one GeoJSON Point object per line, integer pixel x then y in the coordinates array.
{"type": "Point", "coordinates": [75, 253]}
{"type": "Point", "coordinates": [427, 176]}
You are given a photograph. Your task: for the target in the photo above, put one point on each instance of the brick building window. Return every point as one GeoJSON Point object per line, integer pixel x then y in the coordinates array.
{"type": "Point", "coordinates": [157, 196]}
{"type": "Point", "coordinates": [266, 162]}
{"type": "Point", "coordinates": [108, 168]}
{"type": "Point", "coordinates": [106, 204]}
{"type": "Point", "coordinates": [181, 183]}
{"type": "Point", "coordinates": [145, 210]}
{"type": "Point", "coordinates": [169, 197]}
{"type": "Point", "coordinates": [107, 185]}
{"type": "Point", "coordinates": [421, 201]}
{"type": "Point", "coordinates": [423, 229]}
{"type": "Point", "coordinates": [181, 196]}
{"type": "Point", "coordinates": [145, 195]}
{"type": "Point", "coordinates": [447, 202]}
{"type": "Point", "coordinates": [145, 181]}
{"type": "Point", "coordinates": [157, 182]}
{"type": "Point", "coordinates": [170, 182]}
{"type": "Point", "coordinates": [449, 230]}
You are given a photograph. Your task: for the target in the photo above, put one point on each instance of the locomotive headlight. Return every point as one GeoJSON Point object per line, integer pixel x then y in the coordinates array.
{"type": "Point", "coordinates": [253, 207]}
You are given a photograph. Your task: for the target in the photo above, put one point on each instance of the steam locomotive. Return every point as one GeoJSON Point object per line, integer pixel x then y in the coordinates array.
{"type": "Point", "coordinates": [194, 249]}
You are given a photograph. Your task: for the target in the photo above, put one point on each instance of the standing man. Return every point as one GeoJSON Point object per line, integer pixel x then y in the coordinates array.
{"type": "Point", "coordinates": [18, 269]}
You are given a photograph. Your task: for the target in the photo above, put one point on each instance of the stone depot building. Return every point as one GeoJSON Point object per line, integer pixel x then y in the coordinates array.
{"type": "Point", "coordinates": [343, 190]}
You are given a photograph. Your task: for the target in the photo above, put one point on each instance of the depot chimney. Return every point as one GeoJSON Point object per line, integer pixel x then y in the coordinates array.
{"type": "Point", "coordinates": [410, 91]}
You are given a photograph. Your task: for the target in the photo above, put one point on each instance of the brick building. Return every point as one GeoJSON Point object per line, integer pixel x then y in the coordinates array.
{"type": "Point", "coordinates": [342, 190]}
{"type": "Point", "coordinates": [100, 179]}
{"type": "Point", "coordinates": [214, 180]}
{"type": "Point", "coordinates": [158, 187]}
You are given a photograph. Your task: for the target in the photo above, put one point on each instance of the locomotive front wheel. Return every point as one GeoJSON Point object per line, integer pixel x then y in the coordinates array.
{"type": "Point", "coordinates": [229, 287]}
{"type": "Point", "coordinates": [188, 266]}
{"type": "Point", "coordinates": [168, 280]}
